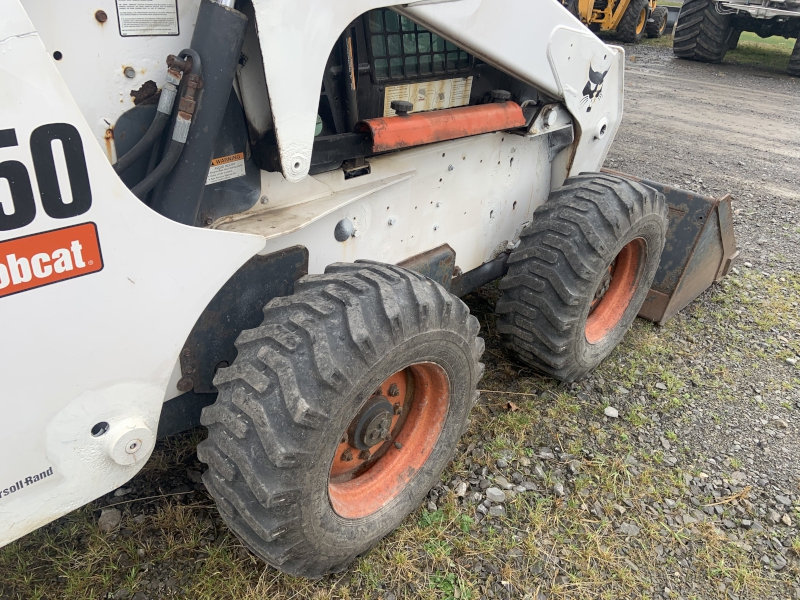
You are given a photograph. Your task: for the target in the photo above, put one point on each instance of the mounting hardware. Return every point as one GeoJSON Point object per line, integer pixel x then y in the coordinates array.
{"type": "Point", "coordinates": [402, 107]}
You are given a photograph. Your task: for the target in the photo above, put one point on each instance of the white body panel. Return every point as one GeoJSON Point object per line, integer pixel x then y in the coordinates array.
{"type": "Point", "coordinates": [473, 194]}
{"type": "Point", "coordinates": [104, 347]}
{"type": "Point", "coordinates": [93, 64]}
{"type": "Point", "coordinates": [99, 347]}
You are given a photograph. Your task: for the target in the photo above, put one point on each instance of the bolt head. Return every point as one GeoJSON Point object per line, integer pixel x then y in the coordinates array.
{"type": "Point", "coordinates": [450, 167]}
{"type": "Point", "coordinates": [129, 72]}
{"type": "Point", "coordinates": [392, 220]}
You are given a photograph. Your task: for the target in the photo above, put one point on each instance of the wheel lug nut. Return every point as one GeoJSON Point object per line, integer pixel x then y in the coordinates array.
{"type": "Point", "coordinates": [347, 455]}
{"type": "Point", "coordinates": [364, 455]}
{"type": "Point", "coordinates": [397, 408]}
{"type": "Point", "coordinates": [394, 390]}
{"type": "Point", "coordinates": [344, 439]}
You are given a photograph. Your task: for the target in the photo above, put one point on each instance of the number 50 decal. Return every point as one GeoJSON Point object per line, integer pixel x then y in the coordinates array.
{"type": "Point", "coordinates": [19, 181]}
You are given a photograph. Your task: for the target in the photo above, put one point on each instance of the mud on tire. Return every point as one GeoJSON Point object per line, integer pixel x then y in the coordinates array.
{"type": "Point", "coordinates": [598, 236]}
{"type": "Point", "coordinates": [701, 33]}
{"type": "Point", "coordinates": [284, 407]}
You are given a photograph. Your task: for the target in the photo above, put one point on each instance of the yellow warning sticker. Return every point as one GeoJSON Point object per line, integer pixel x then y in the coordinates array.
{"type": "Point", "coordinates": [226, 167]}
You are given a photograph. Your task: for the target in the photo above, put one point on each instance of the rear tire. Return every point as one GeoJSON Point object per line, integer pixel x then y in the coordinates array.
{"type": "Point", "coordinates": [701, 33]}
{"type": "Point", "coordinates": [659, 22]}
{"type": "Point", "coordinates": [632, 26]}
{"type": "Point", "coordinates": [794, 60]}
{"type": "Point", "coordinates": [733, 41]}
{"type": "Point", "coordinates": [581, 272]}
{"type": "Point", "coordinates": [321, 374]}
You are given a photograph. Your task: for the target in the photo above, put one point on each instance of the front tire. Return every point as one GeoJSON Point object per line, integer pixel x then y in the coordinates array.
{"type": "Point", "coordinates": [701, 33]}
{"type": "Point", "coordinates": [658, 26]}
{"type": "Point", "coordinates": [339, 414]}
{"type": "Point", "coordinates": [632, 26]}
{"type": "Point", "coordinates": [581, 272]}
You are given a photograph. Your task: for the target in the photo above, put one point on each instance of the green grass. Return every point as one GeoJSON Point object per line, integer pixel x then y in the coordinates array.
{"type": "Point", "coordinates": [546, 544]}
{"type": "Point", "coordinates": [772, 53]}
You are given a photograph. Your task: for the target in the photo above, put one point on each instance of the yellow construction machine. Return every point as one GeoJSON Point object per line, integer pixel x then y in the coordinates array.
{"type": "Point", "coordinates": [629, 20]}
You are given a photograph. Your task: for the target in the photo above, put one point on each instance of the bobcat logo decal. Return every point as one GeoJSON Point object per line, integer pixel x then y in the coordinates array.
{"type": "Point", "coordinates": [593, 90]}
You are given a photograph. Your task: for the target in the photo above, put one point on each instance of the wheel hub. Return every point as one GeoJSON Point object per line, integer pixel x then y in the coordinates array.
{"type": "Point", "coordinates": [389, 440]}
{"type": "Point", "coordinates": [374, 423]}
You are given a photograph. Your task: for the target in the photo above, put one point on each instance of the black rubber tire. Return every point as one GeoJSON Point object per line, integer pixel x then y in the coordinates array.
{"type": "Point", "coordinates": [701, 33]}
{"type": "Point", "coordinates": [658, 26]}
{"type": "Point", "coordinates": [794, 60]}
{"type": "Point", "coordinates": [626, 30]}
{"type": "Point", "coordinates": [298, 381]}
{"type": "Point", "coordinates": [561, 259]}
{"type": "Point", "coordinates": [733, 40]}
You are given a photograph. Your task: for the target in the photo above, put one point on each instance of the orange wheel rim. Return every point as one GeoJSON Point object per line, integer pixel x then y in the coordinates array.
{"type": "Point", "coordinates": [398, 438]}
{"type": "Point", "coordinates": [615, 292]}
{"type": "Point", "coordinates": [642, 21]}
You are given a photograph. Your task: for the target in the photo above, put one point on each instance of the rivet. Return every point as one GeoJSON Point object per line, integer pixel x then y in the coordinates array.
{"type": "Point", "coordinates": [101, 16]}
{"type": "Point", "coordinates": [129, 72]}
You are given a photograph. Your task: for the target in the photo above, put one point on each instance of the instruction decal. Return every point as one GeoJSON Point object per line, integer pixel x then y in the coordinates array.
{"type": "Point", "coordinates": [226, 167]}
{"type": "Point", "coordinates": [23, 483]}
{"type": "Point", "coordinates": [49, 257]}
{"type": "Point", "coordinates": [147, 17]}
{"type": "Point", "coordinates": [430, 95]}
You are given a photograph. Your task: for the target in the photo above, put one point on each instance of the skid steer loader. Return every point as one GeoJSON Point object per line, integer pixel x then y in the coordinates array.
{"type": "Point", "coordinates": [629, 20]}
{"type": "Point", "coordinates": [260, 215]}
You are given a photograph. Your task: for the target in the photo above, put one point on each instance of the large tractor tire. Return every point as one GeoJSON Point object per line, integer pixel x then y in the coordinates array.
{"type": "Point", "coordinates": [701, 33]}
{"type": "Point", "coordinates": [657, 24]}
{"type": "Point", "coordinates": [581, 272]}
{"type": "Point", "coordinates": [339, 414]}
{"type": "Point", "coordinates": [632, 26]}
{"type": "Point", "coordinates": [794, 60]}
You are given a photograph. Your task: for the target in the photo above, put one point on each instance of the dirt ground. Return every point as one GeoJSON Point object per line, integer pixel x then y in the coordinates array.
{"type": "Point", "coordinates": [718, 129]}
{"type": "Point", "coordinates": [692, 491]}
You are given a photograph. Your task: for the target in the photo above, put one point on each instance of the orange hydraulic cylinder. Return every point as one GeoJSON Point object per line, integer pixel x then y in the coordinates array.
{"type": "Point", "coordinates": [394, 133]}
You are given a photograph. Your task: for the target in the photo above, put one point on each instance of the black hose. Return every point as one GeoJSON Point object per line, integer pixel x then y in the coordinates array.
{"type": "Point", "coordinates": [165, 166]}
{"type": "Point", "coordinates": [197, 65]}
{"type": "Point", "coordinates": [143, 145]}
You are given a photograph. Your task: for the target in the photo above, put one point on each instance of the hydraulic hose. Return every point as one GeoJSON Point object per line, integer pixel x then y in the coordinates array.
{"type": "Point", "coordinates": [165, 166]}
{"type": "Point", "coordinates": [163, 112]}
{"type": "Point", "coordinates": [179, 134]}
{"type": "Point", "coordinates": [218, 36]}
{"type": "Point", "coordinates": [197, 65]}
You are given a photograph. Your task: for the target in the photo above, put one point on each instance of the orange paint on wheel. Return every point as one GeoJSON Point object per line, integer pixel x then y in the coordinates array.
{"type": "Point", "coordinates": [394, 133]}
{"type": "Point", "coordinates": [360, 485]}
{"type": "Point", "coordinates": [626, 272]}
